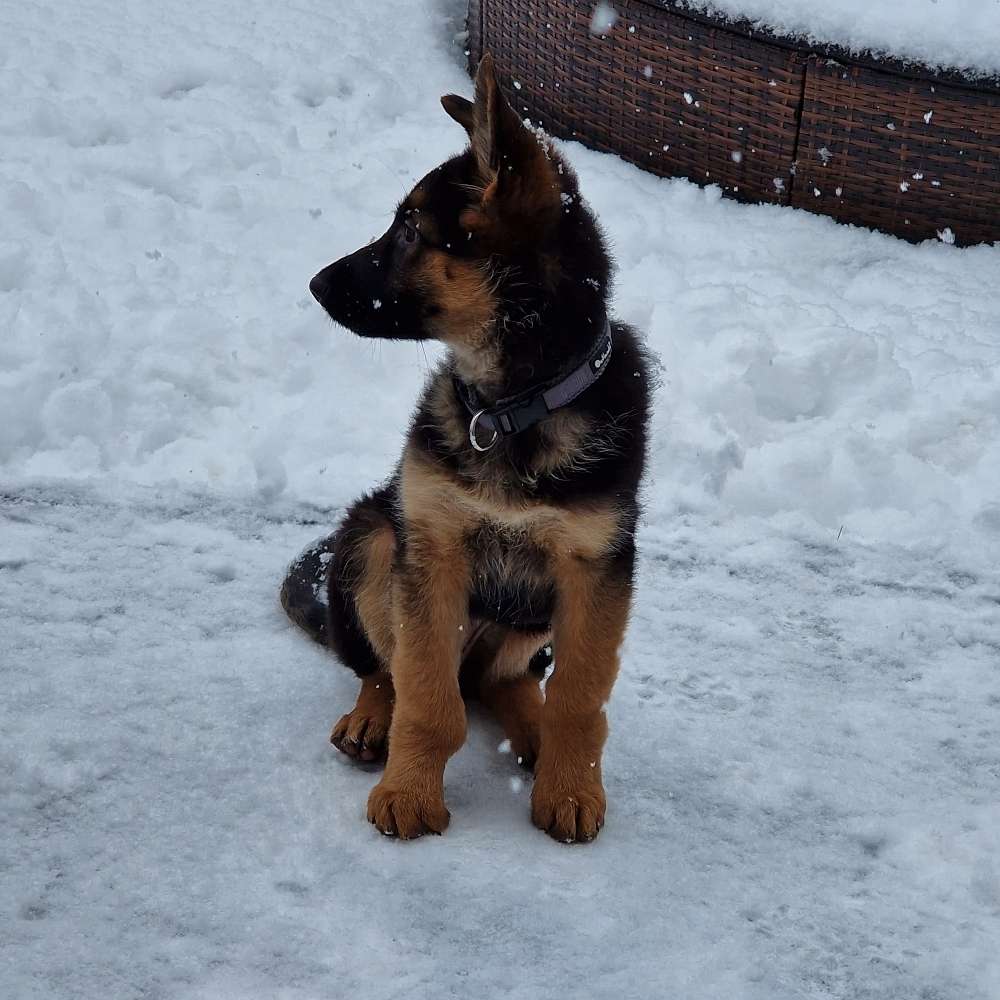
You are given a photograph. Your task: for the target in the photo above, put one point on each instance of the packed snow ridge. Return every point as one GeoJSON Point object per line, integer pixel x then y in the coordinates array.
{"type": "Point", "coordinates": [961, 35]}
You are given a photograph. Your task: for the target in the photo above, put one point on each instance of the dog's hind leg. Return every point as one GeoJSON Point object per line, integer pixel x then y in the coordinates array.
{"type": "Point", "coordinates": [359, 585]}
{"type": "Point", "coordinates": [509, 687]}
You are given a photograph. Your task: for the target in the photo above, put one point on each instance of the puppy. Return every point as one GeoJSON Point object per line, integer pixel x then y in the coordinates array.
{"type": "Point", "coordinates": [507, 530]}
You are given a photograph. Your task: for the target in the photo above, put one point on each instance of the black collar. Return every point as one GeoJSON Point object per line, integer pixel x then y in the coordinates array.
{"type": "Point", "coordinates": [514, 414]}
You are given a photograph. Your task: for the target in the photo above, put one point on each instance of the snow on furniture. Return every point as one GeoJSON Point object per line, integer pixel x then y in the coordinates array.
{"type": "Point", "coordinates": [873, 141]}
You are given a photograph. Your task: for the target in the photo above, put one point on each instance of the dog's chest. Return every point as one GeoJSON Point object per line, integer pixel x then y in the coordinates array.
{"type": "Point", "coordinates": [511, 579]}
{"type": "Point", "coordinates": [513, 546]}
{"type": "Point", "coordinates": [506, 552]}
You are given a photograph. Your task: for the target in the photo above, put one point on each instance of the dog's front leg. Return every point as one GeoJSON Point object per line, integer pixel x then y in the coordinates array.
{"type": "Point", "coordinates": [592, 608]}
{"type": "Point", "coordinates": [430, 614]}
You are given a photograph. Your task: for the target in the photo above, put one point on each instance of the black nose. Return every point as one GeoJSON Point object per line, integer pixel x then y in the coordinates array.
{"type": "Point", "coordinates": [318, 287]}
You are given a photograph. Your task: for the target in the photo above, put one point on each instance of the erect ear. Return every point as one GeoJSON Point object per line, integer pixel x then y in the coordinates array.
{"type": "Point", "coordinates": [460, 109]}
{"type": "Point", "coordinates": [513, 164]}
{"type": "Point", "coordinates": [495, 126]}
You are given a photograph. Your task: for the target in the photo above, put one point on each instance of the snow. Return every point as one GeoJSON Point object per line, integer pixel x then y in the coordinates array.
{"type": "Point", "coordinates": [802, 771]}
{"type": "Point", "coordinates": [960, 35]}
{"type": "Point", "coordinates": [804, 763]}
{"type": "Point", "coordinates": [603, 18]}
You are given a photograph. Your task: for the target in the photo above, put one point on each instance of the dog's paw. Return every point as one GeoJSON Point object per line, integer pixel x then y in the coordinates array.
{"type": "Point", "coordinates": [565, 813]}
{"type": "Point", "coordinates": [407, 813]}
{"type": "Point", "coordinates": [362, 734]}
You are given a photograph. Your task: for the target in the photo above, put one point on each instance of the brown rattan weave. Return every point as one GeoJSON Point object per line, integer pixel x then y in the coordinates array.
{"type": "Point", "coordinates": [868, 141]}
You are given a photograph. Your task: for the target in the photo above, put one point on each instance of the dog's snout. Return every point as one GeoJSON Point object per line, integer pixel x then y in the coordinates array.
{"type": "Point", "coordinates": [318, 287]}
{"type": "Point", "coordinates": [360, 293]}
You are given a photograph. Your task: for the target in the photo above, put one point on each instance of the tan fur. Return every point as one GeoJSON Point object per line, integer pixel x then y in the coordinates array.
{"type": "Point", "coordinates": [430, 612]}
{"type": "Point", "coordinates": [378, 552]}
{"type": "Point", "coordinates": [517, 704]}
{"type": "Point", "coordinates": [583, 530]}
{"type": "Point", "coordinates": [467, 308]}
{"type": "Point", "coordinates": [510, 662]}
{"type": "Point", "coordinates": [568, 799]}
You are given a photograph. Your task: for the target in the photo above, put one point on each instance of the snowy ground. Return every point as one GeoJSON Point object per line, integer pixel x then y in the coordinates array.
{"type": "Point", "coordinates": [804, 765]}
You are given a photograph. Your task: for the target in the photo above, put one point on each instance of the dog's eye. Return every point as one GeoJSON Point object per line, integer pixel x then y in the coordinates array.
{"type": "Point", "coordinates": [409, 231]}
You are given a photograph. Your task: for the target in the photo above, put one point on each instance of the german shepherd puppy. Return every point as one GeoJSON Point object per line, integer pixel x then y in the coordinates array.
{"type": "Point", "coordinates": [508, 527]}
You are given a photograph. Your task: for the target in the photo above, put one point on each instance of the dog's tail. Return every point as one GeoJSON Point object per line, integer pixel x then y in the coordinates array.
{"type": "Point", "coordinates": [303, 593]}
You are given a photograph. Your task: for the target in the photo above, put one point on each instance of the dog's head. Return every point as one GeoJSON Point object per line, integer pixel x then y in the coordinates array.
{"type": "Point", "coordinates": [484, 241]}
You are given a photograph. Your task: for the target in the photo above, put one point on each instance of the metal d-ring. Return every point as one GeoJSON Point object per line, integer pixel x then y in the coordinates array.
{"type": "Point", "coordinates": [472, 433]}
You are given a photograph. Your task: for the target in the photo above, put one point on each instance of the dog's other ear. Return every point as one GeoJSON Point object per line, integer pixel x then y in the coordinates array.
{"type": "Point", "coordinates": [514, 165]}
{"type": "Point", "coordinates": [460, 109]}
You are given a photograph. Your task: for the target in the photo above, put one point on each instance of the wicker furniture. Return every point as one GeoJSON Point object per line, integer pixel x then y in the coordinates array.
{"type": "Point", "coordinates": [873, 142]}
